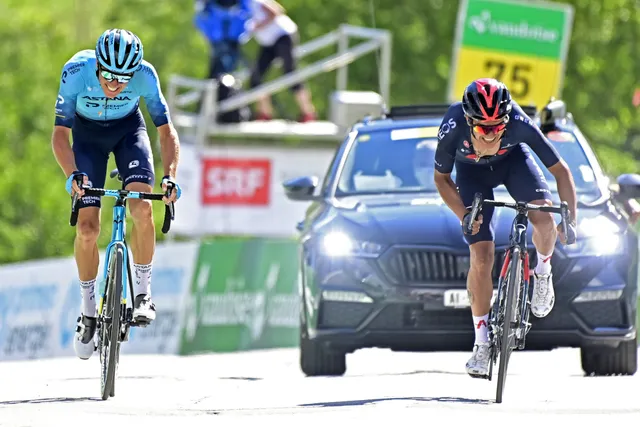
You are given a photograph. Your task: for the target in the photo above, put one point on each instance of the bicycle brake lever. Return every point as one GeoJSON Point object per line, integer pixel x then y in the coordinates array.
{"type": "Point", "coordinates": [476, 208]}
{"type": "Point", "coordinates": [570, 237]}
{"type": "Point", "coordinates": [74, 202]}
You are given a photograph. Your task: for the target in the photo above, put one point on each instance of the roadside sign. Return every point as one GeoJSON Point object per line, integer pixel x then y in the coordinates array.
{"type": "Point", "coordinates": [523, 44]}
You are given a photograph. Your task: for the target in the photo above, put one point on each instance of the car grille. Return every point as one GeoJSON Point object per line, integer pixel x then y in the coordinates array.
{"type": "Point", "coordinates": [338, 314]}
{"type": "Point", "coordinates": [406, 317]}
{"type": "Point", "coordinates": [411, 266]}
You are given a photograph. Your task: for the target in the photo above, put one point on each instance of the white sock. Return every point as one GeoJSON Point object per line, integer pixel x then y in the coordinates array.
{"type": "Point", "coordinates": [88, 292]}
{"type": "Point", "coordinates": [543, 265]}
{"type": "Point", "coordinates": [480, 324]}
{"type": "Point", "coordinates": [142, 284]}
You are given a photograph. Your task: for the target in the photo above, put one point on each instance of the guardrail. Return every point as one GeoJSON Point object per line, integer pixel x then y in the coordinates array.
{"type": "Point", "coordinates": [205, 90]}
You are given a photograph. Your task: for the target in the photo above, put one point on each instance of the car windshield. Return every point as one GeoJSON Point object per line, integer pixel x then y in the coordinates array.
{"type": "Point", "coordinates": [571, 151]}
{"type": "Point", "coordinates": [396, 161]}
{"type": "Point", "coordinates": [401, 161]}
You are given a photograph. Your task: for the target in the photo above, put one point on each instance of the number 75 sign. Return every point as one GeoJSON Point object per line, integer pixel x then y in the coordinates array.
{"type": "Point", "coordinates": [523, 44]}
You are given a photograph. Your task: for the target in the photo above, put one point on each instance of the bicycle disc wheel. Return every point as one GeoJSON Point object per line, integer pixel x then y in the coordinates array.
{"type": "Point", "coordinates": [508, 331]}
{"type": "Point", "coordinates": [110, 331]}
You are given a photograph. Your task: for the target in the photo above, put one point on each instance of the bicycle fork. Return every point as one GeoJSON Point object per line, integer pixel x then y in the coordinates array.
{"type": "Point", "coordinates": [525, 304]}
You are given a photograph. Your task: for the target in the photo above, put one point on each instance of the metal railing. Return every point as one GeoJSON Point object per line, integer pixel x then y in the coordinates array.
{"type": "Point", "coordinates": [205, 90]}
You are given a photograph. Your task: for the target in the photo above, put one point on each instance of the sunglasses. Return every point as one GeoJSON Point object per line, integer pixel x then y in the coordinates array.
{"type": "Point", "coordinates": [481, 129]}
{"type": "Point", "coordinates": [486, 130]}
{"type": "Point", "coordinates": [121, 78]}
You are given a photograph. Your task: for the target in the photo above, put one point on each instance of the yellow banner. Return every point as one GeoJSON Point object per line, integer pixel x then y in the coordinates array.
{"type": "Point", "coordinates": [531, 81]}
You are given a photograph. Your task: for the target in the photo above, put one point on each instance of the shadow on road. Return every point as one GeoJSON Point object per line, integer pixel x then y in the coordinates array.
{"type": "Point", "coordinates": [442, 399]}
{"type": "Point", "coordinates": [420, 372]}
{"type": "Point", "coordinates": [51, 400]}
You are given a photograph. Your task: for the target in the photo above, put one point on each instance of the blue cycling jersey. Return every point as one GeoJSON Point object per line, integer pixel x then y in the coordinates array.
{"type": "Point", "coordinates": [80, 93]}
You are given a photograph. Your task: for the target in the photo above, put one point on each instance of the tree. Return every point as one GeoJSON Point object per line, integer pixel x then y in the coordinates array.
{"type": "Point", "coordinates": [603, 67]}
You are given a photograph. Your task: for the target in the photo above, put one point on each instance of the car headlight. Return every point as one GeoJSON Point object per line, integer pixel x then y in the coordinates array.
{"type": "Point", "coordinates": [603, 235]}
{"type": "Point", "coordinates": [337, 243]}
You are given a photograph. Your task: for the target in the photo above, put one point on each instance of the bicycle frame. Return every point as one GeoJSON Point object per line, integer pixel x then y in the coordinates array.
{"type": "Point", "coordinates": [518, 238]}
{"type": "Point", "coordinates": [123, 320]}
{"type": "Point", "coordinates": [118, 233]}
{"type": "Point", "coordinates": [515, 316]}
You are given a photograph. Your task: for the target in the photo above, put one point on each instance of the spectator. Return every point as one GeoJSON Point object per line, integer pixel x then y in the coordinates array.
{"type": "Point", "coordinates": [276, 34]}
{"type": "Point", "coordinates": [223, 22]}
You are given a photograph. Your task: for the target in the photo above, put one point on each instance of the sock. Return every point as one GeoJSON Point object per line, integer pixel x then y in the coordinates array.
{"type": "Point", "coordinates": [143, 279]}
{"type": "Point", "coordinates": [480, 326]}
{"type": "Point", "coordinates": [88, 292]}
{"type": "Point", "coordinates": [544, 263]}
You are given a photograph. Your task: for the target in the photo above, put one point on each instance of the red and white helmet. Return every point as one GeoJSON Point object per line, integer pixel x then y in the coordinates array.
{"type": "Point", "coordinates": [486, 99]}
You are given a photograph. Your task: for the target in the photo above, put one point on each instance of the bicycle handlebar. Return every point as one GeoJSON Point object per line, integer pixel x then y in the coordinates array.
{"type": "Point", "coordinates": [169, 211]}
{"type": "Point", "coordinates": [563, 210]}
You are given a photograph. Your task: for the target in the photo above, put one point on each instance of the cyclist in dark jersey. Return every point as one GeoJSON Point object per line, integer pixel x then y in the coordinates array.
{"type": "Point", "coordinates": [488, 138]}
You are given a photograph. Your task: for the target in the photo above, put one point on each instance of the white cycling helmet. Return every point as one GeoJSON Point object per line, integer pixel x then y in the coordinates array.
{"type": "Point", "coordinates": [119, 51]}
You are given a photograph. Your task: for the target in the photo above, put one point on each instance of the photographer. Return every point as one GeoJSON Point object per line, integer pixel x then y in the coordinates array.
{"type": "Point", "coordinates": [276, 34]}
{"type": "Point", "coordinates": [223, 22]}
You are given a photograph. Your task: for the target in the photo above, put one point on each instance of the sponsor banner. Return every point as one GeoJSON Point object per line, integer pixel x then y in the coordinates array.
{"type": "Point", "coordinates": [238, 190]}
{"type": "Point", "coordinates": [523, 44]}
{"type": "Point", "coordinates": [40, 302]}
{"type": "Point", "coordinates": [31, 300]}
{"type": "Point", "coordinates": [244, 296]}
{"type": "Point", "coordinates": [171, 277]}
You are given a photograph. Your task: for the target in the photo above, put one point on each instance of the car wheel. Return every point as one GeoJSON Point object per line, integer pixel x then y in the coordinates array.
{"type": "Point", "coordinates": [618, 361]}
{"type": "Point", "coordinates": [316, 359]}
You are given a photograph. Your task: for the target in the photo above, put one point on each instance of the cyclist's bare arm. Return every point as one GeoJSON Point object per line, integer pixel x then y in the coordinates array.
{"type": "Point", "coordinates": [449, 193]}
{"type": "Point", "coordinates": [62, 149]}
{"type": "Point", "coordinates": [170, 149]}
{"type": "Point", "coordinates": [566, 186]}
{"type": "Point", "coordinates": [444, 162]}
{"type": "Point", "coordinates": [552, 161]}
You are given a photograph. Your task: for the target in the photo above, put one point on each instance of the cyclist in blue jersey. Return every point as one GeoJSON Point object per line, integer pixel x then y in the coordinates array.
{"type": "Point", "coordinates": [488, 138]}
{"type": "Point", "coordinates": [98, 104]}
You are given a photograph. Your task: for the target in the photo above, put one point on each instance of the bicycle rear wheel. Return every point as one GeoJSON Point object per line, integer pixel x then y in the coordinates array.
{"type": "Point", "coordinates": [507, 341]}
{"type": "Point", "coordinates": [110, 331]}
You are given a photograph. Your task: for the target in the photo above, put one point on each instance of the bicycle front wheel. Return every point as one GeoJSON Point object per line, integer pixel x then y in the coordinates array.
{"type": "Point", "coordinates": [110, 331]}
{"type": "Point", "coordinates": [508, 339]}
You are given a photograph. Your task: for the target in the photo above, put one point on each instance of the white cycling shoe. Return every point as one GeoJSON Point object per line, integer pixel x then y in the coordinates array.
{"type": "Point", "coordinates": [478, 365]}
{"type": "Point", "coordinates": [543, 294]}
{"type": "Point", "coordinates": [83, 343]}
{"type": "Point", "coordinates": [144, 310]}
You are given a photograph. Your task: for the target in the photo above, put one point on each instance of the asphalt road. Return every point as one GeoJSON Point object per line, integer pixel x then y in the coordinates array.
{"type": "Point", "coordinates": [260, 387]}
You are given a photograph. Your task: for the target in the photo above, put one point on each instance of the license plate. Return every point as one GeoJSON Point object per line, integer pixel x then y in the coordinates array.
{"type": "Point", "coordinates": [458, 298]}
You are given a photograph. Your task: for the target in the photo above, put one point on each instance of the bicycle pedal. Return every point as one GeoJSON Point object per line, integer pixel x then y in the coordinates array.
{"type": "Point", "coordinates": [140, 323]}
{"type": "Point", "coordinates": [484, 377]}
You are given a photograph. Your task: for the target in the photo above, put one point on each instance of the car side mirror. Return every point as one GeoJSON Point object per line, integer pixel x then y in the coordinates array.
{"type": "Point", "coordinates": [629, 186]}
{"type": "Point", "coordinates": [301, 188]}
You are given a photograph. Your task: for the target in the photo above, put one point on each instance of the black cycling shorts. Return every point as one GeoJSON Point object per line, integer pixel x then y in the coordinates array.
{"type": "Point", "coordinates": [126, 138]}
{"type": "Point", "coordinates": [518, 171]}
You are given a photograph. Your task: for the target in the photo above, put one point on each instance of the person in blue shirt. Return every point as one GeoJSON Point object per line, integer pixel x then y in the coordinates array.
{"type": "Point", "coordinates": [489, 138]}
{"type": "Point", "coordinates": [98, 104]}
{"type": "Point", "coordinates": [223, 24]}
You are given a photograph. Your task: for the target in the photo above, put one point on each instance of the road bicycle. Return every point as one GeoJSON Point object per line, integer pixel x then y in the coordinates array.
{"type": "Point", "coordinates": [114, 319]}
{"type": "Point", "coordinates": [509, 317]}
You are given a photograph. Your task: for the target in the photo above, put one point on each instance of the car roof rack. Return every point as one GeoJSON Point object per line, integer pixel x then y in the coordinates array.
{"type": "Point", "coordinates": [417, 110]}
{"type": "Point", "coordinates": [437, 110]}
{"type": "Point", "coordinates": [556, 109]}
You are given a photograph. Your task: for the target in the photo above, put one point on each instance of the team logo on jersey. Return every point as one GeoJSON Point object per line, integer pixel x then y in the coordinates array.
{"type": "Point", "coordinates": [445, 128]}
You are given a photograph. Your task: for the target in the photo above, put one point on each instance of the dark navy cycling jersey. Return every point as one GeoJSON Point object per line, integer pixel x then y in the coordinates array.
{"type": "Point", "coordinates": [454, 140]}
{"type": "Point", "coordinates": [80, 93]}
